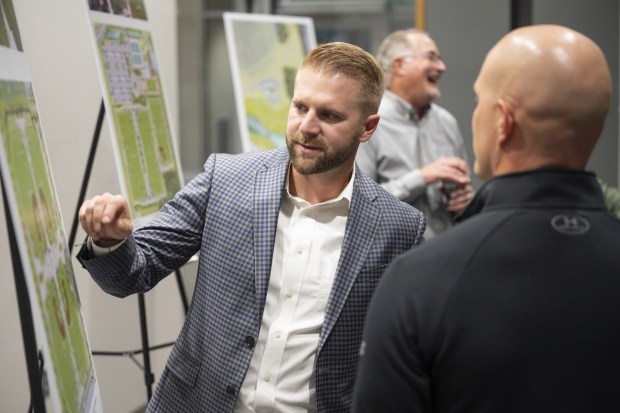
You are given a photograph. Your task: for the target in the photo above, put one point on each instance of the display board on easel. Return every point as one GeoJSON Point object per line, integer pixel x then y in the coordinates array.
{"type": "Point", "coordinates": [265, 52]}
{"type": "Point", "coordinates": [144, 143]}
{"type": "Point", "coordinates": [38, 241]}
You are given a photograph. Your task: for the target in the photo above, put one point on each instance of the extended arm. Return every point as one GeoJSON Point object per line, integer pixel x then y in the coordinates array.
{"type": "Point", "coordinates": [152, 252]}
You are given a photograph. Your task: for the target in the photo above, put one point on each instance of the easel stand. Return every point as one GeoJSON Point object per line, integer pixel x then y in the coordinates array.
{"type": "Point", "coordinates": [31, 351]}
{"type": "Point", "coordinates": [149, 378]}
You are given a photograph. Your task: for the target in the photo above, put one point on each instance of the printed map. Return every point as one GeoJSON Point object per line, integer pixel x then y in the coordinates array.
{"type": "Point", "coordinates": [268, 56]}
{"type": "Point", "coordinates": [149, 166]}
{"type": "Point", "coordinates": [44, 251]}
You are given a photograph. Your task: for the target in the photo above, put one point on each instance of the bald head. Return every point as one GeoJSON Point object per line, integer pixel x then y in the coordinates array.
{"type": "Point", "coordinates": [552, 87]}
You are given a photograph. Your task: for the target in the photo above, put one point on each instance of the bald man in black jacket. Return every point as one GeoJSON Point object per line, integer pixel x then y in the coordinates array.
{"type": "Point", "coordinates": [517, 308]}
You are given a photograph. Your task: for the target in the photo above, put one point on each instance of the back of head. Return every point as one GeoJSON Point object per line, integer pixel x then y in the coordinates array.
{"type": "Point", "coordinates": [339, 58]}
{"type": "Point", "coordinates": [557, 84]}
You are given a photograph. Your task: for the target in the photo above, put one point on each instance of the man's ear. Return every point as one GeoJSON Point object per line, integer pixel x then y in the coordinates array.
{"type": "Point", "coordinates": [369, 127]}
{"type": "Point", "coordinates": [396, 65]}
{"type": "Point", "coordinates": [505, 122]}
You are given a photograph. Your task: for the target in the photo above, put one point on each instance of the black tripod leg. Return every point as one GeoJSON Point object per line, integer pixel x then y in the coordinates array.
{"type": "Point", "coordinates": [148, 374]}
{"type": "Point", "coordinates": [182, 290]}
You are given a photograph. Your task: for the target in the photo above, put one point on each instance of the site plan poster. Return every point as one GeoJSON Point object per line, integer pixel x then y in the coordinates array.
{"type": "Point", "coordinates": [144, 146]}
{"type": "Point", "coordinates": [39, 231]}
{"type": "Point", "coordinates": [265, 52]}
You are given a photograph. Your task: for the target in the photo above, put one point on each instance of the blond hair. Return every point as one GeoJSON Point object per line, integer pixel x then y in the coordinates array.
{"type": "Point", "coordinates": [352, 62]}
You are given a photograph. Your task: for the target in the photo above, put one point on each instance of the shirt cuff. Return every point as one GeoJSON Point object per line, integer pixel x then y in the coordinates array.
{"type": "Point", "coordinates": [98, 251]}
{"type": "Point", "coordinates": [414, 181]}
{"type": "Point", "coordinates": [407, 187]}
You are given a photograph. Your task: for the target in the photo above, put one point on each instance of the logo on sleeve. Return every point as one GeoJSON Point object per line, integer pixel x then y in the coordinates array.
{"type": "Point", "coordinates": [568, 224]}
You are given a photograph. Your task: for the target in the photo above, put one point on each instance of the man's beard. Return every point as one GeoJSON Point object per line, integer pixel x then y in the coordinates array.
{"type": "Point", "coordinates": [324, 161]}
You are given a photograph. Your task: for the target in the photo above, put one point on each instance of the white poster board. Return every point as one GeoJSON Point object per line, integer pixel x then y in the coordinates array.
{"type": "Point", "coordinates": [39, 232]}
{"type": "Point", "coordinates": [144, 143]}
{"type": "Point", "coordinates": [265, 52]}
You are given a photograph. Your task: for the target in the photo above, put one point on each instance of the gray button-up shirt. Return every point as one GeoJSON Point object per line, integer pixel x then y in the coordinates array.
{"type": "Point", "coordinates": [401, 145]}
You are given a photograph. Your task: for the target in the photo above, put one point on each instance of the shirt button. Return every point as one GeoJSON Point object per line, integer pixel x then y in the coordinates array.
{"type": "Point", "coordinates": [267, 378]}
{"type": "Point", "coordinates": [289, 294]}
{"type": "Point", "coordinates": [278, 334]}
{"type": "Point", "coordinates": [300, 250]}
{"type": "Point", "coordinates": [230, 390]}
{"type": "Point", "coordinates": [249, 340]}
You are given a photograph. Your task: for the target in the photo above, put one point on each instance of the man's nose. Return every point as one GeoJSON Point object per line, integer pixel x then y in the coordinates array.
{"type": "Point", "coordinates": [310, 124]}
{"type": "Point", "coordinates": [441, 66]}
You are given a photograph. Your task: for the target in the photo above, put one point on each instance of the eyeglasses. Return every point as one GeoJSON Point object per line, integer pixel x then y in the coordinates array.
{"type": "Point", "coordinates": [430, 55]}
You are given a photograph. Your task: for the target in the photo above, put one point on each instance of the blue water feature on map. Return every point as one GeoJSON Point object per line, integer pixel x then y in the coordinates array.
{"type": "Point", "coordinates": [279, 141]}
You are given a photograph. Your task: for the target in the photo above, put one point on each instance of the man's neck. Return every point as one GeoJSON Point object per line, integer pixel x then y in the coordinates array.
{"type": "Point", "coordinates": [420, 107]}
{"type": "Point", "coordinates": [317, 188]}
{"type": "Point", "coordinates": [421, 110]}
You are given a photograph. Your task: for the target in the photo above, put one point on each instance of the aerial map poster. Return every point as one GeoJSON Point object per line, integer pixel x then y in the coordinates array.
{"type": "Point", "coordinates": [144, 146]}
{"type": "Point", "coordinates": [265, 52]}
{"type": "Point", "coordinates": [39, 233]}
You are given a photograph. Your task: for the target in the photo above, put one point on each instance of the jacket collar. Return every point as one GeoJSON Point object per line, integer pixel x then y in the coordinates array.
{"type": "Point", "coordinates": [558, 187]}
{"type": "Point", "coordinates": [364, 217]}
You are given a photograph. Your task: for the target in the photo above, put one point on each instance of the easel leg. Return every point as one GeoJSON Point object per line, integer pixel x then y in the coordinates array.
{"type": "Point", "coordinates": [146, 358]}
{"type": "Point", "coordinates": [182, 290]}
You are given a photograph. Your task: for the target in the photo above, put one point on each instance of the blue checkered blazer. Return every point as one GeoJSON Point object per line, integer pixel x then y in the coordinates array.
{"type": "Point", "coordinates": [229, 213]}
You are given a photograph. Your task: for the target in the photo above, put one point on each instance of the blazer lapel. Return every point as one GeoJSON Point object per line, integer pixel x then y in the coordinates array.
{"type": "Point", "coordinates": [363, 220]}
{"type": "Point", "coordinates": [269, 184]}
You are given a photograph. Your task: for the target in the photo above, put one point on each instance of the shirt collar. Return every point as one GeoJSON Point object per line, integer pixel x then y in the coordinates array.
{"type": "Point", "coordinates": [345, 196]}
{"type": "Point", "coordinates": [402, 107]}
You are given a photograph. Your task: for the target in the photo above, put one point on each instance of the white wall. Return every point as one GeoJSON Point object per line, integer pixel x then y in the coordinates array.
{"type": "Point", "coordinates": [57, 43]}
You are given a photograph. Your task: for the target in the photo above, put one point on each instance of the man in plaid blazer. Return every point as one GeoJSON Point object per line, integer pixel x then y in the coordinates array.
{"type": "Point", "coordinates": [292, 244]}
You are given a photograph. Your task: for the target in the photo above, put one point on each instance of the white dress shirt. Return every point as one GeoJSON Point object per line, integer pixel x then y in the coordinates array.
{"type": "Point", "coordinates": [306, 253]}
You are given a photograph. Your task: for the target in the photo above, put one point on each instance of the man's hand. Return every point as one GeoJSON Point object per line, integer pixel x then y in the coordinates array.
{"type": "Point", "coordinates": [106, 219]}
{"type": "Point", "coordinates": [459, 198]}
{"type": "Point", "coordinates": [450, 168]}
